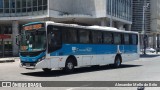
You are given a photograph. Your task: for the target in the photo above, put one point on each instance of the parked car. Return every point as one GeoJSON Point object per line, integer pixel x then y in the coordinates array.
{"type": "Point", "coordinates": [149, 49]}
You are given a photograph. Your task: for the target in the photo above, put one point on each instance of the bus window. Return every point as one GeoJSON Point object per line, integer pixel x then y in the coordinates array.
{"type": "Point", "coordinates": [107, 38]}
{"type": "Point", "coordinates": [69, 35]}
{"type": "Point", "coordinates": [54, 38]}
{"type": "Point", "coordinates": [117, 38]}
{"type": "Point", "coordinates": [126, 39]}
{"type": "Point", "coordinates": [96, 37]}
{"type": "Point", "coordinates": [134, 39]}
{"type": "Point", "coordinates": [84, 36]}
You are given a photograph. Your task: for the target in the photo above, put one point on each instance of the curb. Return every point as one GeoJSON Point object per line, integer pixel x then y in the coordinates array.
{"type": "Point", "coordinates": [6, 60]}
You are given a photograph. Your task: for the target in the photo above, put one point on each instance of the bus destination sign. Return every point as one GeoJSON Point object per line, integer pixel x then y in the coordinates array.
{"type": "Point", "coordinates": [32, 27]}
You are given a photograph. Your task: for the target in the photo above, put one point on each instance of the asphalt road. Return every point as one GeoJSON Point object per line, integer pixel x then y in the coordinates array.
{"type": "Point", "coordinates": [147, 68]}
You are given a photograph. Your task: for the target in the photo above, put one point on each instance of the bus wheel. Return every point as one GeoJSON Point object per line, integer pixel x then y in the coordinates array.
{"type": "Point", "coordinates": [117, 62]}
{"type": "Point", "coordinates": [69, 67]}
{"type": "Point", "coordinates": [46, 70]}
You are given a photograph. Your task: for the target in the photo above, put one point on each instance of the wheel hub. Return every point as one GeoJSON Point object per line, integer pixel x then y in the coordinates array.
{"type": "Point", "coordinates": [118, 62]}
{"type": "Point", "coordinates": [70, 65]}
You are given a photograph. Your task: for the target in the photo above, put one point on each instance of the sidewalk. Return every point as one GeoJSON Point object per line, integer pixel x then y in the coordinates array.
{"type": "Point", "coordinates": [9, 59]}
{"type": "Point", "coordinates": [149, 53]}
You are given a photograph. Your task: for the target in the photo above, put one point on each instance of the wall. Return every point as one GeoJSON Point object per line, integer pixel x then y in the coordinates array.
{"type": "Point", "coordinates": [155, 15]}
{"type": "Point", "coordinates": [95, 8]}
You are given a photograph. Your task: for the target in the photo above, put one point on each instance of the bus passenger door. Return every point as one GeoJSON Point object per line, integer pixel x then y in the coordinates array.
{"type": "Point", "coordinates": [54, 40]}
{"type": "Point", "coordinates": [54, 44]}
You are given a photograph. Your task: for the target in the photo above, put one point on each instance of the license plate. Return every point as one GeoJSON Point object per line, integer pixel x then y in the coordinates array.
{"type": "Point", "coordinates": [27, 65]}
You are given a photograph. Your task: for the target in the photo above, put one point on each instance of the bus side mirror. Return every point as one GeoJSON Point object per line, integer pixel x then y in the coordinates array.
{"type": "Point", "coordinates": [18, 40]}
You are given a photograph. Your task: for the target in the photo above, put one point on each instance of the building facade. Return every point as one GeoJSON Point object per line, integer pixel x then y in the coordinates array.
{"type": "Point", "coordinates": [155, 24]}
{"type": "Point", "coordinates": [137, 24]}
{"type": "Point", "coordinates": [121, 12]}
{"type": "Point", "coordinates": [15, 13]}
{"type": "Point", "coordinates": [138, 16]}
{"type": "Point", "coordinates": [151, 21]}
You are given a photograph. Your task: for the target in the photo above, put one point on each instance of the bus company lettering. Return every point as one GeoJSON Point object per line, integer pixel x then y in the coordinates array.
{"type": "Point", "coordinates": [86, 50]}
{"type": "Point", "coordinates": [82, 50]}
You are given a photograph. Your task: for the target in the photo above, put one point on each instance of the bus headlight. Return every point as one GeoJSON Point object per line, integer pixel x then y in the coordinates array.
{"type": "Point", "coordinates": [43, 57]}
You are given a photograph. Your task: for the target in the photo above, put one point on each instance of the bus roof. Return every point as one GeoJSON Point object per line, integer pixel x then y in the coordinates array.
{"type": "Point", "coordinates": [94, 27]}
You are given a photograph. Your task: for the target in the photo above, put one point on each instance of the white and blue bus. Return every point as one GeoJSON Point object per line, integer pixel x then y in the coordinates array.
{"type": "Point", "coordinates": [47, 45]}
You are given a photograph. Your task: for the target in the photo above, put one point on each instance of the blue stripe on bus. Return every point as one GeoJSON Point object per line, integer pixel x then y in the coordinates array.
{"type": "Point", "coordinates": [94, 49]}
{"type": "Point", "coordinates": [32, 59]}
{"type": "Point", "coordinates": [85, 49]}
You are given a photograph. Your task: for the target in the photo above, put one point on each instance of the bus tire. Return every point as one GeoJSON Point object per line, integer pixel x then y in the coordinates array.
{"type": "Point", "coordinates": [46, 70]}
{"type": "Point", "coordinates": [117, 62]}
{"type": "Point", "coordinates": [69, 66]}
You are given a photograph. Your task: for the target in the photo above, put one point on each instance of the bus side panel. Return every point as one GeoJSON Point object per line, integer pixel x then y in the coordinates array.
{"type": "Point", "coordinates": [43, 64]}
{"type": "Point", "coordinates": [110, 53]}
{"type": "Point", "coordinates": [57, 61]}
{"type": "Point", "coordinates": [130, 53]}
{"type": "Point", "coordinates": [106, 54]}
{"type": "Point", "coordinates": [99, 54]}
{"type": "Point", "coordinates": [54, 61]}
{"type": "Point", "coordinates": [87, 54]}
{"type": "Point", "coordinates": [80, 50]}
{"type": "Point", "coordinates": [62, 61]}
{"type": "Point", "coordinates": [109, 58]}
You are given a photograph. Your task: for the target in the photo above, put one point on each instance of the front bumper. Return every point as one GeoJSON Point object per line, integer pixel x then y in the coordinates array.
{"type": "Point", "coordinates": [38, 65]}
{"type": "Point", "coordinates": [27, 67]}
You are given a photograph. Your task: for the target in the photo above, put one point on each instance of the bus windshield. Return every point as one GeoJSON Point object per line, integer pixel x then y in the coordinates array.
{"type": "Point", "coordinates": [33, 40]}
